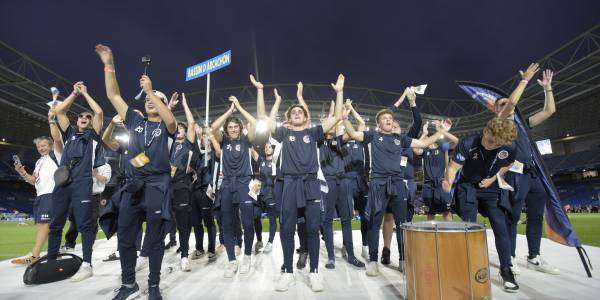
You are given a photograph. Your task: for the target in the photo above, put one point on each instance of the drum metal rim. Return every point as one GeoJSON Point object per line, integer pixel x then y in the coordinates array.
{"type": "Point", "coordinates": [438, 226]}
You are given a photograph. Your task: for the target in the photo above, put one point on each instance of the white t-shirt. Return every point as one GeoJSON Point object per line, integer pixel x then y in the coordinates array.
{"type": "Point", "coordinates": [105, 171]}
{"type": "Point", "coordinates": [44, 174]}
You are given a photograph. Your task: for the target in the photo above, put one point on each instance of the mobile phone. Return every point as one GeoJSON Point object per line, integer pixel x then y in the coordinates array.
{"type": "Point", "coordinates": [16, 159]}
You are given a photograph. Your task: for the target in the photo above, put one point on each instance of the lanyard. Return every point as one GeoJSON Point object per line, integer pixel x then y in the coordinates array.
{"type": "Point", "coordinates": [155, 133]}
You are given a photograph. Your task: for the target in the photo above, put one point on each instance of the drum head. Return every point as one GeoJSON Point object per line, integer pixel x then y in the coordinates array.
{"type": "Point", "coordinates": [444, 226]}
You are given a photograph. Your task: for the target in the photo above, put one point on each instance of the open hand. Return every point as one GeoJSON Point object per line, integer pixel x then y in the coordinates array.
{"type": "Point", "coordinates": [256, 84]}
{"type": "Point", "coordinates": [339, 85]}
{"type": "Point", "coordinates": [546, 81]}
{"type": "Point", "coordinates": [174, 100]}
{"type": "Point", "coordinates": [531, 70]}
{"type": "Point", "coordinates": [105, 54]}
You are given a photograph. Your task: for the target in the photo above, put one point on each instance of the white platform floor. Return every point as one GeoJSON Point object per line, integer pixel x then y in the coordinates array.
{"type": "Point", "coordinates": [345, 282]}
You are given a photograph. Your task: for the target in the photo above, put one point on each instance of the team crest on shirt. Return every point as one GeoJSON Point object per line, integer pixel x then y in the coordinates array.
{"type": "Point", "coordinates": [156, 132]}
{"type": "Point", "coordinates": [237, 147]}
{"type": "Point", "coordinates": [334, 142]}
{"type": "Point", "coordinates": [263, 164]}
{"type": "Point", "coordinates": [397, 142]}
{"type": "Point", "coordinates": [72, 138]}
{"type": "Point", "coordinates": [460, 157]}
{"type": "Point", "coordinates": [306, 139]}
{"type": "Point", "coordinates": [139, 129]}
{"type": "Point", "coordinates": [178, 147]}
{"type": "Point", "coordinates": [355, 146]}
{"type": "Point", "coordinates": [292, 138]}
{"type": "Point", "coordinates": [503, 154]}
{"type": "Point", "coordinates": [381, 139]}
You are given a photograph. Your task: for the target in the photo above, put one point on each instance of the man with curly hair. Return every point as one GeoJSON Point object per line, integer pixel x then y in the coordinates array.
{"type": "Point", "coordinates": [484, 157]}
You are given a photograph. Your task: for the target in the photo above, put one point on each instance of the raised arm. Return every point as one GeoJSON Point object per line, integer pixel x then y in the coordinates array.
{"type": "Point", "coordinates": [55, 132]}
{"type": "Point", "coordinates": [98, 119]}
{"type": "Point", "coordinates": [249, 118]}
{"type": "Point", "coordinates": [300, 97]}
{"type": "Point", "coordinates": [189, 118]}
{"type": "Point", "coordinates": [110, 80]}
{"type": "Point", "coordinates": [261, 112]}
{"type": "Point", "coordinates": [215, 127]}
{"type": "Point", "coordinates": [164, 112]}
{"type": "Point", "coordinates": [338, 87]}
{"type": "Point", "coordinates": [274, 111]}
{"type": "Point", "coordinates": [359, 120]}
{"type": "Point", "coordinates": [173, 101]}
{"type": "Point", "coordinates": [216, 145]}
{"type": "Point", "coordinates": [549, 105]}
{"type": "Point", "coordinates": [516, 94]}
{"type": "Point", "coordinates": [445, 125]}
{"type": "Point", "coordinates": [107, 138]}
{"type": "Point", "coordinates": [413, 131]}
{"type": "Point", "coordinates": [353, 134]}
{"type": "Point", "coordinates": [62, 108]}
{"type": "Point", "coordinates": [423, 143]}
{"type": "Point", "coordinates": [401, 99]}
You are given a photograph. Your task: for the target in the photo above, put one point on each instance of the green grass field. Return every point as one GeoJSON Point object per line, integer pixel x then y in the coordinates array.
{"type": "Point", "coordinates": [17, 240]}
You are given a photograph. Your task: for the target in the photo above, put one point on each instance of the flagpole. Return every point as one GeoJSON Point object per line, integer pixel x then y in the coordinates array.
{"type": "Point", "coordinates": [206, 117]}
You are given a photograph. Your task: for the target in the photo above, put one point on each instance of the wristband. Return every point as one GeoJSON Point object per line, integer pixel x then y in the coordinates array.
{"type": "Point", "coordinates": [525, 80]}
{"type": "Point", "coordinates": [548, 91]}
{"type": "Point", "coordinates": [51, 122]}
{"type": "Point", "coordinates": [109, 69]}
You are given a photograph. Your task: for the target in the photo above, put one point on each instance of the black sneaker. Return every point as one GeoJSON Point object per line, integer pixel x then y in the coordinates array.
{"type": "Point", "coordinates": [212, 256]}
{"type": "Point", "coordinates": [509, 284]}
{"type": "Point", "coordinates": [170, 244]}
{"type": "Point", "coordinates": [258, 246]}
{"type": "Point", "coordinates": [385, 256]}
{"type": "Point", "coordinates": [355, 262]}
{"type": "Point", "coordinates": [112, 257]}
{"type": "Point", "coordinates": [125, 293]}
{"type": "Point", "coordinates": [330, 264]}
{"type": "Point", "coordinates": [302, 260]}
{"type": "Point", "coordinates": [154, 293]}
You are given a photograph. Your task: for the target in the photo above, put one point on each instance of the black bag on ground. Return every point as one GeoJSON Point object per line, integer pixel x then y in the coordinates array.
{"type": "Point", "coordinates": [50, 270]}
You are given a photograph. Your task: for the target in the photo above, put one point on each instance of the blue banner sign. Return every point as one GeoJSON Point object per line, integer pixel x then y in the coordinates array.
{"type": "Point", "coordinates": [208, 66]}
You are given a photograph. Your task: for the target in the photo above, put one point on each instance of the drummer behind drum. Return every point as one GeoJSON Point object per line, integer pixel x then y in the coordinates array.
{"type": "Point", "coordinates": [482, 156]}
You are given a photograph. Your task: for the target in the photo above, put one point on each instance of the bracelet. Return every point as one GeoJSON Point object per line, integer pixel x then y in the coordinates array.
{"type": "Point", "coordinates": [548, 91]}
{"type": "Point", "coordinates": [51, 122]}
{"type": "Point", "coordinates": [525, 80]}
{"type": "Point", "coordinates": [109, 69]}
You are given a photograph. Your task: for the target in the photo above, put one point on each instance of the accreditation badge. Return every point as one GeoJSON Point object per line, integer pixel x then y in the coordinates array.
{"type": "Point", "coordinates": [403, 161]}
{"type": "Point", "coordinates": [173, 171]}
{"type": "Point", "coordinates": [517, 167]}
{"type": "Point", "coordinates": [140, 160]}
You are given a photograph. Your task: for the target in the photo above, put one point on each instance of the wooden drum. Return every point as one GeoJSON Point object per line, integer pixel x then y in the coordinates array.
{"type": "Point", "coordinates": [446, 260]}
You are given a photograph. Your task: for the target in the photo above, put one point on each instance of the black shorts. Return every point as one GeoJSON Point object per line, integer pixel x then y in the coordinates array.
{"type": "Point", "coordinates": [436, 199]}
{"type": "Point", "coordinates": [41, 208]}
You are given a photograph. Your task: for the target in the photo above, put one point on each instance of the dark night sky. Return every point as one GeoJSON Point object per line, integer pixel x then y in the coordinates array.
{"type": "Point", "coordinates": [377, 44]}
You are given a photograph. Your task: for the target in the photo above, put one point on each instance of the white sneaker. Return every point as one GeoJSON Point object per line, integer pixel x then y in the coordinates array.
{"type": "Point", "coordinates": [185, 265]}
{"type": "Point", "coordinates": [315, 282]}
{"type": "Point", "coordinates": [84, 272]}
{"type": "Point", "coordinates": [539, 264]}
{"type": "Point", "coordinates": [245, 268]}
{"type": "Point", "coordinates": [268, 247]}
{"type": "Point", "coordinates": [285, 281]}
{"type": "Point", "coordinates": [372, 269]}
{"type": "Point", "coordinates": [365, 252]}
{"type": "Point", "coordinates": [238, 250]}
{"type": "Point", "coordinates": [231, 269]}
{"type": "Point", "coordinates": [142, 263]}
{"type": "Point", "coordinates": [515, 268]}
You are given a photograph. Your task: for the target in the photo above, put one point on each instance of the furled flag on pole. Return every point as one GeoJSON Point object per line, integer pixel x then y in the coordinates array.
{"type": "Point", "coordinates": [558, 227]}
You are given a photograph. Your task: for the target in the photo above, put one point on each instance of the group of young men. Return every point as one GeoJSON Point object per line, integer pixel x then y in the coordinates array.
{"type": "Point", "coordinates": [179, 176]}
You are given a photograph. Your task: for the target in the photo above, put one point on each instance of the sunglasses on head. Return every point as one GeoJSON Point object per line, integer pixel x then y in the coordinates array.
{"type": "Point", "coordinates": [87, 116]}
